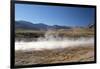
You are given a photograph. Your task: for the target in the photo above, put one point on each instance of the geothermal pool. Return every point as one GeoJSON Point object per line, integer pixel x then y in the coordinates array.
{"type": "Point", "coordinates": [42, 43]}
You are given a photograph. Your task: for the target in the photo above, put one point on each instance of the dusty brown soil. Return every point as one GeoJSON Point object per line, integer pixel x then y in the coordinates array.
{"type": "Point", "coordinates": [70, 54]}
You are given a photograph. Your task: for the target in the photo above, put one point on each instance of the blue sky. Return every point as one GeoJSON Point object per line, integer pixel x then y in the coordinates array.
{"type": "Point", "coordinates": [54, 15]}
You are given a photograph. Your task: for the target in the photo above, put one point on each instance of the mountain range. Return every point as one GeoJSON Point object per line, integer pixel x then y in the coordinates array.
{"type": "Point", "coordinates": [41, 26]}
{"type": "Point", "coordinates": [38, 26]}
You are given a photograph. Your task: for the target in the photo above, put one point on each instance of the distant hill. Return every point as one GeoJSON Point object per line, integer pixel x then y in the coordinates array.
{"type": "Point", "coordinates": [91, 25]}
{"type": "Point", "coordinates": [24, 25]}
{"type": "Point", "coordinates": [39, 26]}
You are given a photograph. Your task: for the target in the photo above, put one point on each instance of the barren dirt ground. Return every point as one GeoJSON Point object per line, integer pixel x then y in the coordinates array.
{"type": "Point", "coordinates": [69, 54]}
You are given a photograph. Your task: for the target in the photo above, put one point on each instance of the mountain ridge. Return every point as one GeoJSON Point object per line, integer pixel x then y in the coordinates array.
{"type": "Point", "coordinates": [38, 26]}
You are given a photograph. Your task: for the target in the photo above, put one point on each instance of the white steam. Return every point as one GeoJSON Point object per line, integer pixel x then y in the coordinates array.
{"type": "Point", "coordinates": [52, 42]}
